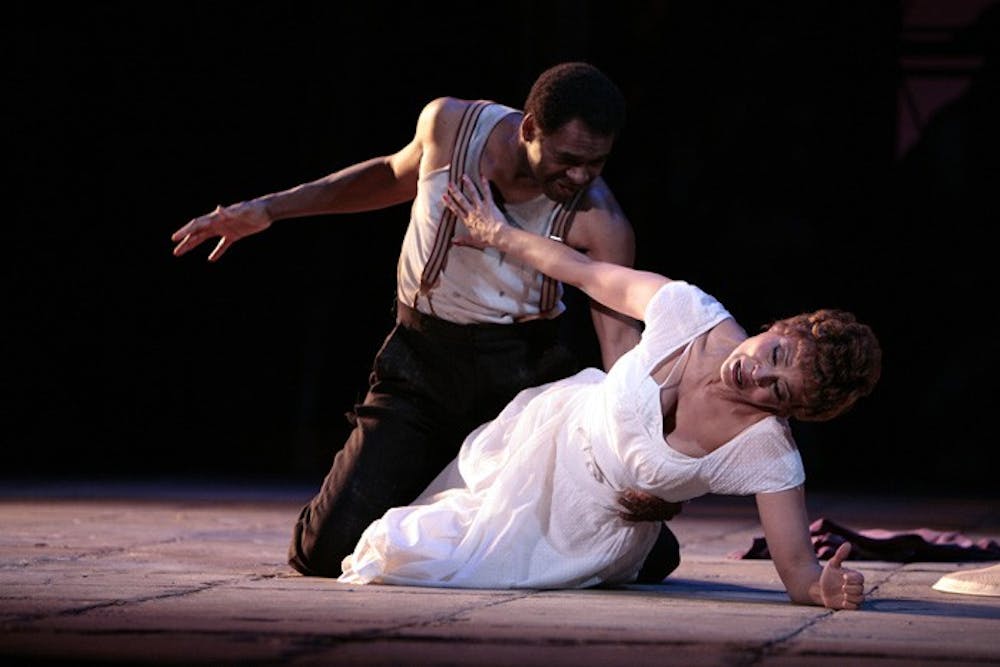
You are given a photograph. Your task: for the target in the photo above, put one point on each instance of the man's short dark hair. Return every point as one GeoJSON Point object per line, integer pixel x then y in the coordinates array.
{"type": "Point", "coordinates": [576, 90]}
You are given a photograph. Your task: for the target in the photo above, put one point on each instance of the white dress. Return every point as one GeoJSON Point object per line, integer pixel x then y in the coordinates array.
{"type": "Point", "coordinates": [531, 499]}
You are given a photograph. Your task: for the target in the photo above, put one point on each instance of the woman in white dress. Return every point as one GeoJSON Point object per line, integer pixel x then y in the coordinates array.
{"type": "Point", "coordinates": [696, 407]}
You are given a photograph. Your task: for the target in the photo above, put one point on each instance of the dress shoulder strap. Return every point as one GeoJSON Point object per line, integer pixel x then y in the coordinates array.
{"type": "Point", "coordinates": [673, 377]}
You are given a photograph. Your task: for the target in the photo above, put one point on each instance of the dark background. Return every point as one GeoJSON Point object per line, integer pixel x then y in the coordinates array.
{"type": "Point", "coordinates": [782, 155]}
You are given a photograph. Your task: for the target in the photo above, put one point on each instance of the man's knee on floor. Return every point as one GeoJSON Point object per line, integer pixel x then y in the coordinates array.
{"type": "Point", "coordinates": [312, 567]}
{"type": "Point", "coordinates": [312, 557]}
{"type": "Point", "coordinates": [663, 558]}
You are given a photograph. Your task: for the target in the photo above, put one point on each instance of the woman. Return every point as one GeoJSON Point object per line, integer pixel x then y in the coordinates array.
{"type": "Point", "coordinates": [696, 407]}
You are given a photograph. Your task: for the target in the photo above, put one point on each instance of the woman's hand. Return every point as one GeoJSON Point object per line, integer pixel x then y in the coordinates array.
{"type": "Point", "coordinates": [477, 211]}
{"type": "Point", "coordinates": [840, 587]}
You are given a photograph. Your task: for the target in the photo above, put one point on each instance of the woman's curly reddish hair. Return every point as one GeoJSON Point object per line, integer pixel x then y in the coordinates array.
{"type": "Point", "coordinates": [841, 360]}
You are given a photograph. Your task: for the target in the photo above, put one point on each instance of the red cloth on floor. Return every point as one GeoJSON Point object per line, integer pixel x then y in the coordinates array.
{"type": "Point", "coordinates": [913, 546]}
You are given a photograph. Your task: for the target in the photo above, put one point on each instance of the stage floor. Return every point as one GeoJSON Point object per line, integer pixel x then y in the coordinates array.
{"type": "Point", "coordinates": [194, 572]}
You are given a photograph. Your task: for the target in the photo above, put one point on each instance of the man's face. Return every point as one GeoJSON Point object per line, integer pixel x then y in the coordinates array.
{"type": "Point", "coordinates": [567, 160]}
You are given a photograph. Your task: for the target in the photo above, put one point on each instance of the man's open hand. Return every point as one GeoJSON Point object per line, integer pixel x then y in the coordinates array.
{"type": "Point", "coordinates": [641, 506]}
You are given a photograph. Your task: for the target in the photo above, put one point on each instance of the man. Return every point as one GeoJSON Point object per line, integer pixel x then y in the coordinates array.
{"type": "Point", "coordinates": [473, 329]}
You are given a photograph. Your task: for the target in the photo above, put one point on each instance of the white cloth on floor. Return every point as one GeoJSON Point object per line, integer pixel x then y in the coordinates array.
{"type": "Point", "coordinates": [980, 581]}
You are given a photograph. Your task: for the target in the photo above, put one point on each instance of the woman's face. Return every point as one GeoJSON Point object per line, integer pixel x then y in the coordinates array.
{"type": "Point", "coordinates": [764, 370]}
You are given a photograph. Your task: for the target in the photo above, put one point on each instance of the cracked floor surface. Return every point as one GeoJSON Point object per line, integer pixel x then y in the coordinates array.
{"type": "Point", "coordinates": [195, 573]}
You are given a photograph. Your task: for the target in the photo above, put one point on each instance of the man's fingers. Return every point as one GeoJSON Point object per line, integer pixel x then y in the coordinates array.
{"type": "Point", "coordinates": [220, 248]}
{"type": "Point", "coordinates": [193, 227]}
{"type": "Point", "coordinates": [183, 246]}
{"type": "Point", "coordinates": [627, 499]}
{"type": "Point", "coordinates": [630, 508]}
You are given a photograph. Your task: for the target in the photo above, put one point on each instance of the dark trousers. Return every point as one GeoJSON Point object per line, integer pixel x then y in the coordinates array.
{"type": "Point", "coordinates": [432, 383]}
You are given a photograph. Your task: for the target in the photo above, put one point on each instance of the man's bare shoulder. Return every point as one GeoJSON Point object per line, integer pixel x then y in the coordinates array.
{"type": "Point", "coordinates": [599, 200]}
{"type": "Point", "coordinates": [445, 112]}
{"type": "Point", "coordinates": [600, 227]}
{"type": "Point", "coordinates": [439, 122]}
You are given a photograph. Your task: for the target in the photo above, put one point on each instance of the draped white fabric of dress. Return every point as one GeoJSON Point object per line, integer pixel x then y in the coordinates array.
{"type": "Point", "coordinates": [531, 499]}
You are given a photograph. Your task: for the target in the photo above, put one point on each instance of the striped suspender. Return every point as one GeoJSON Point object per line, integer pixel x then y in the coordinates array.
{"type": "Point", "coordinates": [446, 228]}
{"type": "Point", "coordinates": [560, 227]}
